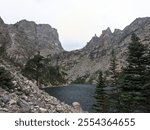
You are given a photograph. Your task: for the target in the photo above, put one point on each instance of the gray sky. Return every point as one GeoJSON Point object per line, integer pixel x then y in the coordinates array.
{"type": "Point", "coordinates": [76, 20]}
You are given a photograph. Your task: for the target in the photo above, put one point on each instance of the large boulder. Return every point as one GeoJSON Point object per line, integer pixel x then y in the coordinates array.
{"type": "Point", "coordinates": [77, 107]}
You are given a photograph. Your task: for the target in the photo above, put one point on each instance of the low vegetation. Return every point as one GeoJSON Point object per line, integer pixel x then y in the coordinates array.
{"type": "Point", "coordinates": [5, 79]}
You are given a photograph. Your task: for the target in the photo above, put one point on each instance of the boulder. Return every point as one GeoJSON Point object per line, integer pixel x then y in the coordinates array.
{"type": "Point", "coordinates": [24, 105]}
{"type": "Point", "coordinates": [6, 98]}
{"type": "Point", "coordinates": [12, 102]}
{"type": "Point", "coordinates": [43, 110]}
{"type": "Point", "coordinates": [77, 107]}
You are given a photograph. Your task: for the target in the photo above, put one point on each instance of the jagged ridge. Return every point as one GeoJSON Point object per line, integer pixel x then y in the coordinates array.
{"type": "Point", "coordinates": [96, 54]}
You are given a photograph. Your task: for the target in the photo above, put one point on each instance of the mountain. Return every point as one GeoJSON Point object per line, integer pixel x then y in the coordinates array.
{"type": "Point", "coordinates": [83, 65]}
{"type": "Point", "coordinates": [21, 41]}
{"type": "Point", "coordinates": [26, 38]}
{"type": "Point", "coordinates": [19, 94]}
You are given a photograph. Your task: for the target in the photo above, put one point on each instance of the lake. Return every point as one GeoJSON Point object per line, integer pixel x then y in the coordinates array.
{"type": "Point", "coordinates": [110, 99]}
{"type": "Point", "coordinates": [82, 93]}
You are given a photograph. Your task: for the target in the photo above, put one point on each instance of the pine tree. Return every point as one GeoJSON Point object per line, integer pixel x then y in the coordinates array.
{"type": "Point", "coordinates": [100, 96]}
{"type": "Point", "coordinates": [132, 98]}
{"type": "Point", "coordinates": [39, 68]}
{"type": "Point", "coordinates": [134, 73]}
{"type": "Point", "coordinates": [113, 69]}
{"type": "Point", "coordinates": [100, 83]}
{"type": "Point", "coordinates": [6, 79]}
{"type": "Point", "coordinates": [34, 68]}
{"type": "Point", "coordinates": [147, 81]}
{"type": "Point", "coordinates": [147, 71]}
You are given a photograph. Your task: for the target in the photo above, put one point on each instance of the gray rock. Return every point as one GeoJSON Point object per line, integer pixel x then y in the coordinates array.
{"type": "Point", "coordinates": [24, 105]}
{"type": "Point", "coordinates": [12, 102]}
{"type": "Point", "coordinates": [5, 110]}
{"type": "Point", "coordinates": [6, 98]}
{"type": "Point", "coordinates": [75, 104]}
{"type": "Point", "coordinates": [42, 110]}
{"type": "Point", "coordinates": [5, 39]}
{"type": "Point", "coordinates": [77, 107]}
{"type": "Point", "coordinates": [24, 97]}
{"type": "Point", "coordinates": [59, 108]}
{"type": "Point", "coordinates": [14, 83]}
{"type": "Point", "coordinates": [2, 104]}
{"type": "Point", "coordinates": [27, 38]}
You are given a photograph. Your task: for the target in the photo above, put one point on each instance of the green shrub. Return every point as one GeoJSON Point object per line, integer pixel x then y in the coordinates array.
{"type": "Point", "coordinates": [5, 79]}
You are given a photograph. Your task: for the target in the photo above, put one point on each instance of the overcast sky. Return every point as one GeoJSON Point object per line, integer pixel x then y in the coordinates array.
{"type": "Point", "coordinates": [76, 20]}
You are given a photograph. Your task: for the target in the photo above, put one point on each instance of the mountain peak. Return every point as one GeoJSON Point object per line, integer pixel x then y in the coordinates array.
{"type": "Point", "coordinates": [117, 31]}
{"type": "Point", "coordinates": [107, 31]}
{"type": "Point", "coordinates": [25, 21]}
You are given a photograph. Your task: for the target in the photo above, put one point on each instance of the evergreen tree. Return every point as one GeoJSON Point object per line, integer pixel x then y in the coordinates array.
{"type": "Point", "coordinates": [34, 68]}
{"type": "Point", "coordinates": [100, 83]}
{"type": "Point", "coordinates": [100, 96]}
{"type": "Point", "coordinates": [6, 79]}
{"type": "Point", "coordinates": [134, 73]}
{"type": "Point", "coordinates": [147, 71]}
{"type": "Point", "coordinates": [147, 81]}
{"type": "Point", "coordinates": [132, 98]}
{"type": "Point", "coordinates": [113, 69]}
{"type": "Point", "coordinates": [40, 69]}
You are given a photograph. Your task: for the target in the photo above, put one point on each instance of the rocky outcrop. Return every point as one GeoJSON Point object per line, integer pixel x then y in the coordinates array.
{"type": "Point", "coordinates": [4, 37]}
{"type": "Point", "coordinates": [26, 38]}
{"type": "Point", "coordinates": [97, 53]}
{"type": "Point", "coordinates": [25, 96]}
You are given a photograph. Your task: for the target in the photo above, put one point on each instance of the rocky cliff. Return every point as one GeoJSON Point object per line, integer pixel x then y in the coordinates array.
{"type": "Point", "coordinates": [85, 63]}
{"type": "Point", "coordinates": [27, 37]}
{"type": "Point", "coordinates": [5, 39]}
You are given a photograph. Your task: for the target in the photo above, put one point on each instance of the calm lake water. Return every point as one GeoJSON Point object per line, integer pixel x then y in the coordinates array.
{"type": "Point", "coordinates": [110, 100]}
{"type": "Point", "coordinates": [84, 94]}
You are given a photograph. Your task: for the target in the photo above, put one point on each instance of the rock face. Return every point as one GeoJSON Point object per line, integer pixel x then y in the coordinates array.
{"type": "Point", "coordinates": [4, 37]}
{"type": "Point", "coordinates": [97, 53]}
{"type": "Point", "coordinates": [27, 37]}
